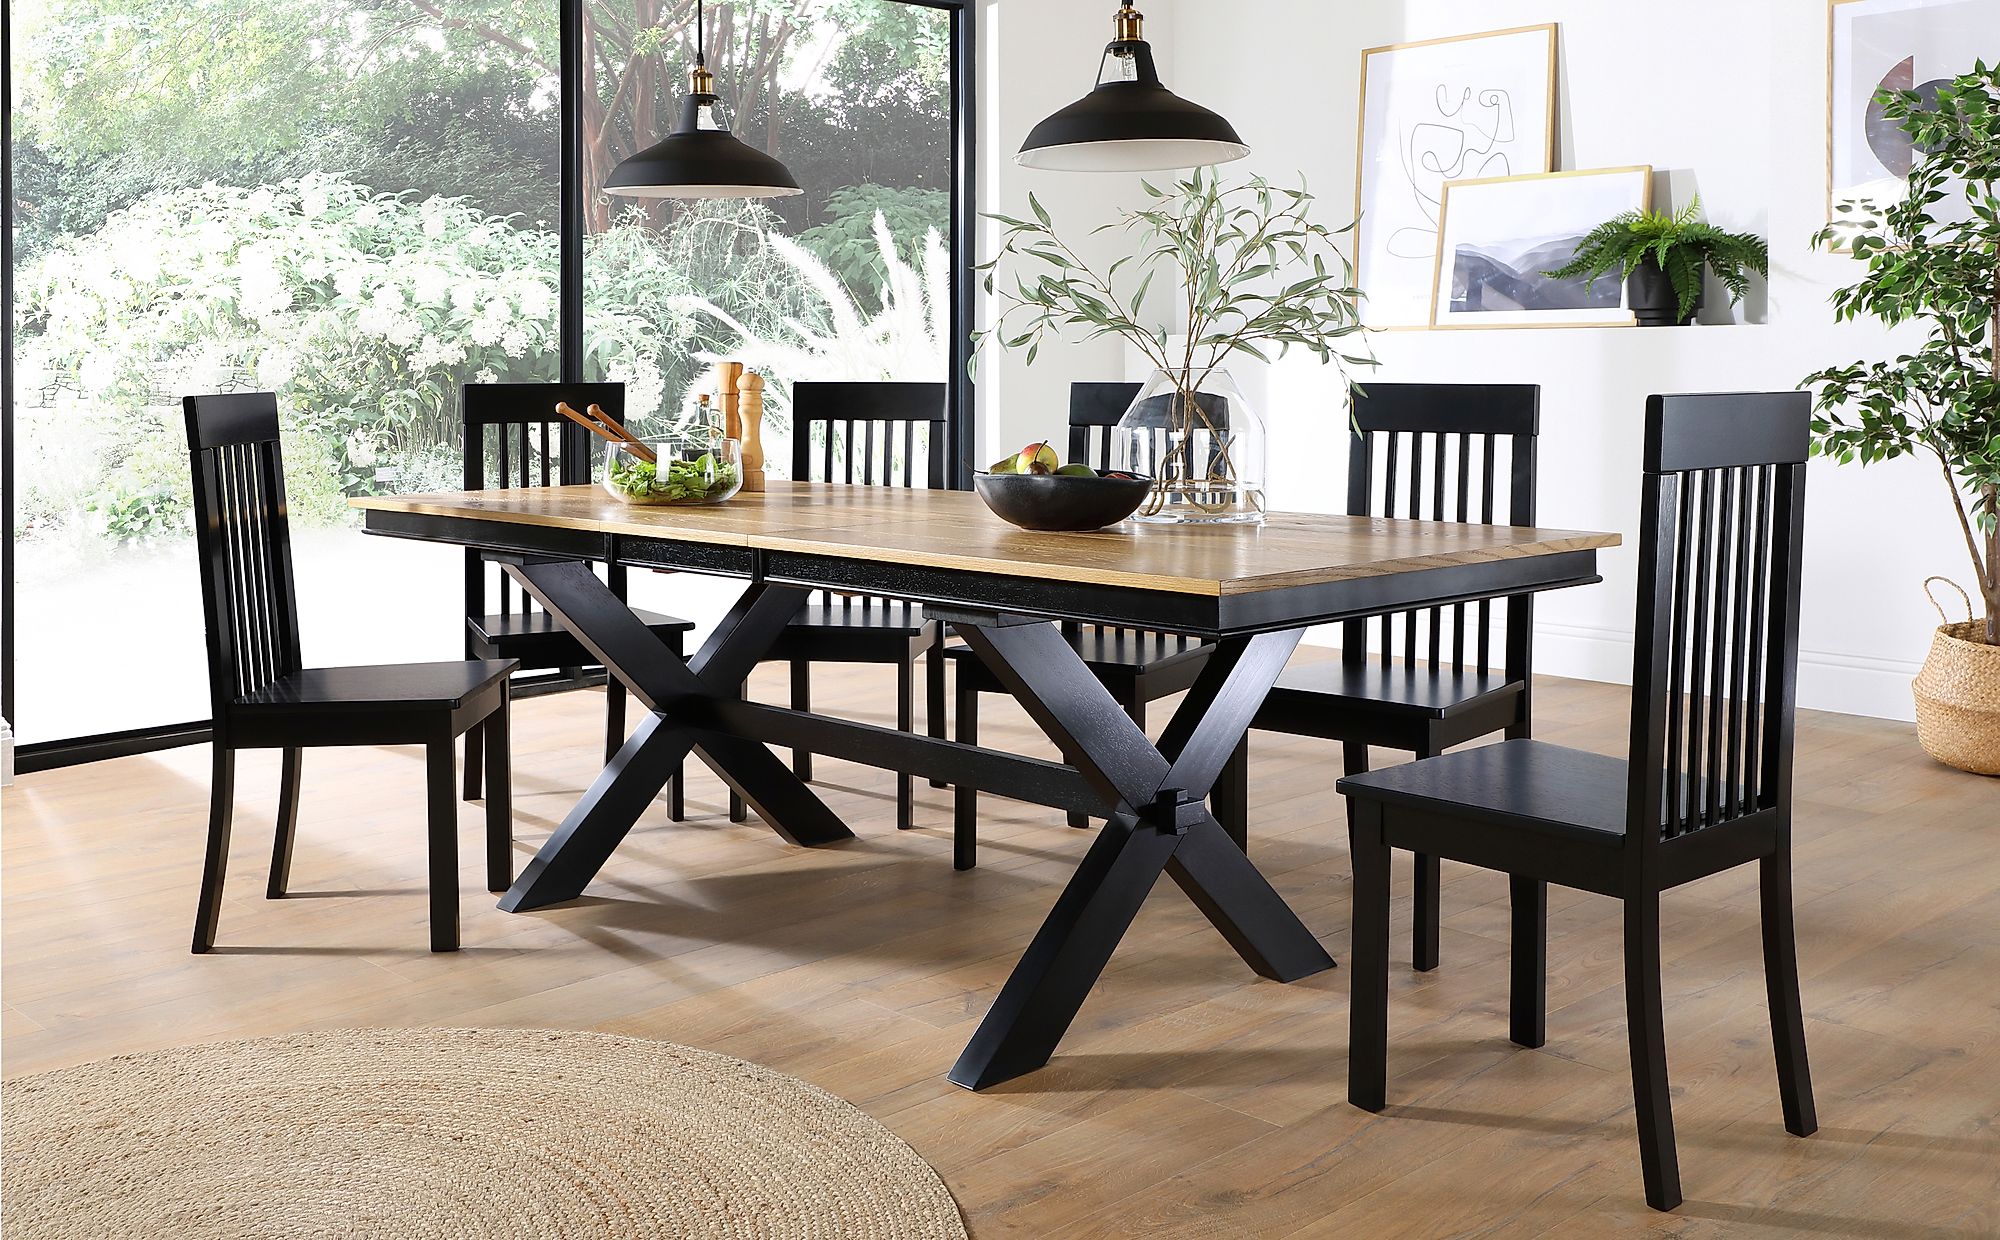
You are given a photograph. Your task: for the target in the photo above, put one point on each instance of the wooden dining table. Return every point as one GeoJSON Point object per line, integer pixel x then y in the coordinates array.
{"type": "Point", "coordinates": [1252, 591]}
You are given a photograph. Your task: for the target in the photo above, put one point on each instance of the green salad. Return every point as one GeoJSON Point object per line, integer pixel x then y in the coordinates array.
{"type": "Point", "coordinates": [674, 482]}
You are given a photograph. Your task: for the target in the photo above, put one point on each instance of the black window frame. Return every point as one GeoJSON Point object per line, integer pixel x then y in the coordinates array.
{"type": "Point", "coordinates": [961, 431]}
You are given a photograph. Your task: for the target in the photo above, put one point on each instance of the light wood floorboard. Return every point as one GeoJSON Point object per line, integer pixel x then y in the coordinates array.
{"type": "Point", "coordinates": [1190, 1099]}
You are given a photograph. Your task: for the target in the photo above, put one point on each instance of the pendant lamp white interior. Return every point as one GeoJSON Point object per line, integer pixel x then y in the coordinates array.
{"type": "Point", "coordinates": [1131, 122]}
{"type": "Point", "coordinates": [701, 158]}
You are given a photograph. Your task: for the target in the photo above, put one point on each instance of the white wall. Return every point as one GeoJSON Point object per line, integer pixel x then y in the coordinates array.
{"type": "Point", "coordinates": [1727, 99]}
{"type": "Point", "coordinates": [1039, 55]}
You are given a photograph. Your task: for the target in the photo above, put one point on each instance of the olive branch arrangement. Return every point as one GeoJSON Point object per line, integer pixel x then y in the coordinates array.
{"type": "Point", "coordinates": [1254, 271]}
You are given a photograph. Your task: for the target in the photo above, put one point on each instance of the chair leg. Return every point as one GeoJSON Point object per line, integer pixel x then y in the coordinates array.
{"type": "Point", "coordinates": [442, 757]}
{"type": "Point", "coordinates": [802, 763]}
{"type": "Point", "coordinates": [1645, 1018]}
{"type": "Point", "coordinates": [934, 696]}
{"type": "Point", "coordinates": [965, 798]}
{"type": "Point", "coordinates": [473, 769]}
{"type": "Point", "coordinates": [1425, 922]}
{"type": "Point", "coordinates": [288, 823]}
{"type": "Point", "coordinates": [614, 717]}
{"type": "Point", "coordinates": [221, 804]}
{"type": "Point", "coordinates": [738, 811]}
{"type": "Point", "coordinates": [1368, 1001]}
{"type": "Point", "coordinates": [1528, 1002]}
{"type": "Point", "coordinates": [1353, 761]}
{"type": "Point", "coordinates": [1781, 981]}
{"type": "Point", "coordinates": [1231, 795]}
{"type": "Point", "coordinates": [906, 721]}
{"type": "Point", "coordinates": [499, 798]}
{"type": "Point", "coordinates": [677, 782]}
{"type": "Point", "coordinates": [1077, 818]}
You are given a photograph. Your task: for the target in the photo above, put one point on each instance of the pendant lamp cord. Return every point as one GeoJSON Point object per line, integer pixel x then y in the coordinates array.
{"type": "Point", "coordinates": [701, 33]}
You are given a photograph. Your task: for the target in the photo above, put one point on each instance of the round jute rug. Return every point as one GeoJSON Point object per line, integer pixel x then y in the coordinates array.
{"type": "Point", "coordinates": [453, 1133]}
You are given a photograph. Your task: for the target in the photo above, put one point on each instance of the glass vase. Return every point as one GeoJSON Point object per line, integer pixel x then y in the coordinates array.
{"type": "Point", "coordinates": [1203, 445]}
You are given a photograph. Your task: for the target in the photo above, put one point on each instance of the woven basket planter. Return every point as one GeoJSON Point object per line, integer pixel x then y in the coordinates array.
{"type": "Point", "coordinates": [1958, 695]}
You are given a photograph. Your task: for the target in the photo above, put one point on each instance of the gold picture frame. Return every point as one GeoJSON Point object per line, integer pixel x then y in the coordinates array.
{"type": "Point", "coordinates": [1643, 199]}
{"type": "Point", "coordinates": [1548, 130]}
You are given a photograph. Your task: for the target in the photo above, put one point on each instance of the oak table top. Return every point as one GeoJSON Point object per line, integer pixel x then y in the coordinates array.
{"type": "Point", "coordinates": [952, 530]}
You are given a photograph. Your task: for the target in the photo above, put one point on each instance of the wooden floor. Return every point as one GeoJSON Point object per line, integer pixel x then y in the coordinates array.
{"type": "Point", "coordinates": [1190, 1099]}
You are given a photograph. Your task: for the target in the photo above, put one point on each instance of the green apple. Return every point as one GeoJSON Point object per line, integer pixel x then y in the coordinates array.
{"type": "Point", "coordinates": [1077, 471]}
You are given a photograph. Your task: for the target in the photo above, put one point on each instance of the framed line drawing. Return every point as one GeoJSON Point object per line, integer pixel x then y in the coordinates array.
{"type": "Point", "coordinates": [1876, 45]}
{"type": "Point", "coordinates": [1466, 107]}
{"type": "Point", "coordinates": [1498, 235]}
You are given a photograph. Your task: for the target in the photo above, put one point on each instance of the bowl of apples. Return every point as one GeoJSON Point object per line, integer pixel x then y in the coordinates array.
{"type": "Point", "coordinates": [1036, 491]}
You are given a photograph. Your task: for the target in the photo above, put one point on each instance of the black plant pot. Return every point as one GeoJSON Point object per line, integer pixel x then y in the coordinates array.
{"type": "Point", "coordinates": [1653, 300]}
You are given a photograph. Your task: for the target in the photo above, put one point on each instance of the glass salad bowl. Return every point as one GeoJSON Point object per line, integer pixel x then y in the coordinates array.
{"type": "Point", "coordinates": [686, 471]}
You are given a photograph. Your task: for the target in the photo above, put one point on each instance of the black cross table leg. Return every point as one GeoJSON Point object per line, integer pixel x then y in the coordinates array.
{"type": "Point", "coordinates": [1159, 823]}
{"type": "Point", "coordinates": [667, 686]}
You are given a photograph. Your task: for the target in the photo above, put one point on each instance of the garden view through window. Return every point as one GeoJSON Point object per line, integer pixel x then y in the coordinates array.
{"type": "Point", "coordinates": [354, 204]}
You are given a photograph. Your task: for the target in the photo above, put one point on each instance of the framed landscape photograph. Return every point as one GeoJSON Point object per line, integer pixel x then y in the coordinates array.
{"type": "Point", "coordinates": [1467, 107]}
{"type": "Point", "coordinates": [1877, 45]}
{"type": "Point", "coordinates": [1499, 235]}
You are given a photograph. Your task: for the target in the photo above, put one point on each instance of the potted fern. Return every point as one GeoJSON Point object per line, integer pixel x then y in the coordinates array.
{"type": "Point", "coordinates": [1662, 257]}
{"type": "Point", "coordinates": [1237, 269]}
{"type": "Point", "coordinates": [1934, 258]}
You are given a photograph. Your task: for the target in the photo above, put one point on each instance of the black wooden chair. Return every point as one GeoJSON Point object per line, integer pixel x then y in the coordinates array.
{"type": "Point", "coordinates": [262, 697]}
{"type": "Point", "coordinates": [868, 434]}
{"type": "Point", "coordinates": [514, 438]}
{"type": "Point", "coordinates": [1138, 666]}
{"type": "Point", "coordinates": [1708, 786]}
{"type": "Point", "coordinates": [1439, 452]}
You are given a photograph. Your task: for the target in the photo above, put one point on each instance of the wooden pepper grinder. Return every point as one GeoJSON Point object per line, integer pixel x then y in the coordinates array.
{"type": "Point", "coordinates": [732, 407]}
{"type": "Point", "coordinates": [752, 407]}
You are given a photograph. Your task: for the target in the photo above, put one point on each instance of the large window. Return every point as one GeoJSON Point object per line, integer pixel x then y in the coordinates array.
{"type": "Point", "coordinates": [850, 280]}
{"type": "Point", "coordinates": [356, 204]}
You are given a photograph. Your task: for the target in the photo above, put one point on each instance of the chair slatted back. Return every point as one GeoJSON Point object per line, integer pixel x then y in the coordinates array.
{"type": "Point", "coordinates": [515, 438]}
{"type": "Point", "coordinates": [870, 434]}
{"type": "Point", "coordinates": [244, 541]}
{"type": "Point", "coordinates": [1094, 410]}
{"type": "Point", "coordinates": [1446, 452]}
{"type": "Point", "coordinates": [1716, 670]}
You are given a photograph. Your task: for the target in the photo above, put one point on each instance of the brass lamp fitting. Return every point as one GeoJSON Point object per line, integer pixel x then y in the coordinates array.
{"type": "Point", "coordinates": [1130, 24]}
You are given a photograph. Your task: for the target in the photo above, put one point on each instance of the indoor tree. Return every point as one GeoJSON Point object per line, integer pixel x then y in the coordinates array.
{"type": "Point", "coordinates": [1932, 258]}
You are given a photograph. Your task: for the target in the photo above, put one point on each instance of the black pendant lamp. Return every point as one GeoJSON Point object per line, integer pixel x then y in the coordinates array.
{"type": "Point", "coordinates": [701, 158]}
{"type": "Point", "coordinates": [1131, 123]}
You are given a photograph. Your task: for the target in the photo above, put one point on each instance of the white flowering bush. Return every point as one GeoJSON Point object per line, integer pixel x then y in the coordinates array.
{"type": "Point", "coordinates": [364, 312]}
{"type": "Point", "coordinates": [367, 312]}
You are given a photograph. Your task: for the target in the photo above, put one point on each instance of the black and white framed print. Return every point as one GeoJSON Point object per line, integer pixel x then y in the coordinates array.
{"type": "Point", "coordinates": [1467, 107]}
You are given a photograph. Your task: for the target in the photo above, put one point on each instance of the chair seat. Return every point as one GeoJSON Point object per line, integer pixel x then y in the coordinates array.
{"type": "Point", "coordinates": [1127, 651]}
{"type": "Point", "coordinates": [876, 614]}
{"type": "Point", "coordinates": [835, 629]}
{"type": "Point", "coordinates": [540, 626]}
{"type": "Point", "coordinates": [388, 687]}
{"type": "Point", "coordinates": [1414, 689]}
{"type": "Point", "coordinates": [1530, 784]}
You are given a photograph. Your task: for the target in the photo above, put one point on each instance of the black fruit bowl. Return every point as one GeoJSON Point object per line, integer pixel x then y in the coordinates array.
{"type": "Point", "coordinates": [1060, 504]}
